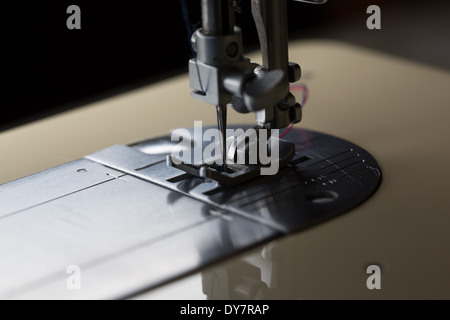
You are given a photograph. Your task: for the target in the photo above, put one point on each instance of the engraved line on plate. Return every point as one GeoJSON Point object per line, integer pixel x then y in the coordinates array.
{"type": "Point", "coordinates": [327, 159]}
{"type": "Point", "coordinates": [340, 169]}
{"type": "Point", "coordinates": [269, 195]}
{"type": "Point", "coordinates": [59, 197]}
{"type": "Point", "coordinates": [348, 166]}
{"type": "Point", "coordinates": [150, 165]}
{"type": "Point", "coordinates": [108, 257]}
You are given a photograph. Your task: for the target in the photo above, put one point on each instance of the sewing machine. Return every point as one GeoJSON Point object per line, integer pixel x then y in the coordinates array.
{"type": "Point", "coordinates": [133, 218]}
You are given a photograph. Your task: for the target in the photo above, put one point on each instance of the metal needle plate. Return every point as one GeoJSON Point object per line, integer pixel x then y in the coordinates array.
{"type": "Point", "coordinates": [131, 223]}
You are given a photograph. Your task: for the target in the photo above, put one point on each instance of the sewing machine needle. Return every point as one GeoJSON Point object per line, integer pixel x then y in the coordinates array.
{"type": "Point", "coordinates": [222, 124]}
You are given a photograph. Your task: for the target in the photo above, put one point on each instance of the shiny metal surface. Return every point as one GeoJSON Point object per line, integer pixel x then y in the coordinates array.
{"type": "Point", "coordinates": [52, 184]}
{"type": "Point", "coordinates": [327, 176]}
{"type": "Point", "coordinates": [125, 235]}
{"type": "Point", "coordinates": [124, 214]}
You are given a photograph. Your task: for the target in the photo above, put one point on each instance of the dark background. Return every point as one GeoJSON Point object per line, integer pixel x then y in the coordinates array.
{"type": "Point", "coordinates": [47, 68]}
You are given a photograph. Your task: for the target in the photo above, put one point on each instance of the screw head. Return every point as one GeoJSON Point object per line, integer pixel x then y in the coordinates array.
{"type": "Point", "coordinates": [232, 50]}
{"type": "Point", "coordinates": [294, 72]}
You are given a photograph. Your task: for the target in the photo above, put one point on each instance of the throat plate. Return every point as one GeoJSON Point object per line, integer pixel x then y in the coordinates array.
{"type": "Point", "coordinates": [130, 223]}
